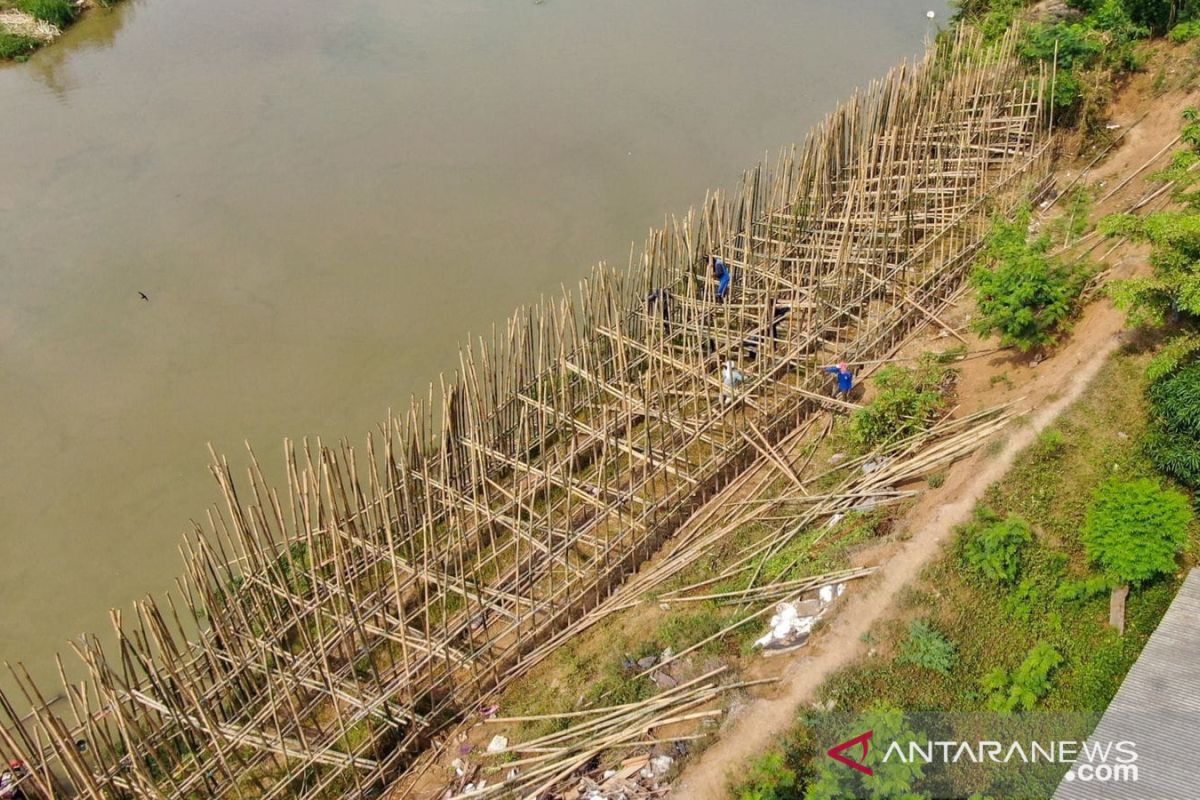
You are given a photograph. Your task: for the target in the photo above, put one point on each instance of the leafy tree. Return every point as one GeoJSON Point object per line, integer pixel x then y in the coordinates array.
{"type": "Point", "coordinates": [1077, 46]}
{"type": "Point", "coordinates": [993, 547]}
{"type": "Point", "coordinates": [927, 647]}
{"type": "Point", "coordinates": [1160, 15]}
{"type": "Point", "coordinates": [1173, 291]}
{"type": "Point", "coordinates": [1134, 530]}
{"type": "Point", "coordinates": [1025, 685]}
{"type": "Point", "coordinates": [1023, 294]}
{"type": "Point", "coordinates": [892, 779]}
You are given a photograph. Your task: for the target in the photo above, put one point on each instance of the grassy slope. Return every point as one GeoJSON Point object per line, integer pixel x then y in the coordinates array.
{"type": "Point", "coordinates": [1050, 486]}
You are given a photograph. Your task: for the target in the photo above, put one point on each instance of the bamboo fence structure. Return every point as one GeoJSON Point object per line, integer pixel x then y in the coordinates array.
{"type": "Point", "coordinates": [324, 633]}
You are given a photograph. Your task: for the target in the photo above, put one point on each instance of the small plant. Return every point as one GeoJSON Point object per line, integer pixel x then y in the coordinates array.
{"type": "Point", "coordinates": [1022, 600]}
{"type": "Point", "coordinates": [1002, 378]}
{"type": "Point", "coordinates": [1075, 591]}
{"type": "Point", "coordinates": [937, 480]}
{"type": "Point", "coordinates": [1185, 32]}
{"type": "Point", "coordinates": [1024, 686]}
{"type": "Point", "coordinates": [993, 547]}
{"type": "Point", "coordinates": [1051, 443]}
{"type": "Point", "coordinates": [927, 647]}
{"type": "Point", "coordinates": [1023, 294]}
{"type": "Point", "coordinates": [908, 400]}
{"type": "Point", "coordinates": [768, 778]}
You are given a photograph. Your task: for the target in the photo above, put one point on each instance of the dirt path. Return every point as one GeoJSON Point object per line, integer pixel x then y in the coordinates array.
{"type": "Point", "coordinates": [1048, 390]}
{"type": "Point", "coordinates": [753, 728]}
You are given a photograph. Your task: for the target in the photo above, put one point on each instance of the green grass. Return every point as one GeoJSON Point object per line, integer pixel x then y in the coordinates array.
{"type": "Point", "coordinates": [13, 46]}
{"type": "Point", "coordinates": [57, 12]}
{"type": "Point", "coordinates": [1050, 487]}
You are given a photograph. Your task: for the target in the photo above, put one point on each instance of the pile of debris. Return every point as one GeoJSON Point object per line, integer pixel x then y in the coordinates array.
{"type": "Point", "coordinates": [793, 621]}
{"type": "Point", "coordinates": [566, 763]}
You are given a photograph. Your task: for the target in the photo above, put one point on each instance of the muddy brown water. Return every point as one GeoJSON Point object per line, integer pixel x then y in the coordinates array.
{"type": "Point", "coordinates": [320, 200]}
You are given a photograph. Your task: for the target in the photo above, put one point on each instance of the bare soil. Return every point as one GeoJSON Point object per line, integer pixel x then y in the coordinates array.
{"type": "Point", "coordinates": [1151, 105]}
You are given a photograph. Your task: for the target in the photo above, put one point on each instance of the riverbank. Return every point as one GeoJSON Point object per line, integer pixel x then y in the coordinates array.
{"type": "Point", "coordinates": [1094, 417]}
{"type": "Point", "coordinates": [934, 636]}
{"type": "Point", "coordinates": [28, 25]}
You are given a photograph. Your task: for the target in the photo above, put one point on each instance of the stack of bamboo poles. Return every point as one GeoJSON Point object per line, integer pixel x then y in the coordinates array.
{"type": "Point", "coordinates": [325, 632]}
{"type": "Point", "coordinates": [548, 762]}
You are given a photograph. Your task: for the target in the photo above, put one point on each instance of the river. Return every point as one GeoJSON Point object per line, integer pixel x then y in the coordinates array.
{"type": "Point", "coordinates": [320, 199]}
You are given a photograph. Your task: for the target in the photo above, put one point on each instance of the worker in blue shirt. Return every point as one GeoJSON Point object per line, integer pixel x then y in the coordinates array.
{"type": "Point", "coordinates": [845, 379]}
{"type": "Point", "coordinates": [724, 276]}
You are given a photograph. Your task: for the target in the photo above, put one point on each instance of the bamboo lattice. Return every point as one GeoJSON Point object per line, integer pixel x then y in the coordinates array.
{"type": "Point", "coordinates": [325, 632]}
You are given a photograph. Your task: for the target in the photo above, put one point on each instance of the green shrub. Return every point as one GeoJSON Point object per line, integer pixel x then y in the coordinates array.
{"type": "Point", "coordinates": [891, 778]}
{"type": "Point", "coordinates": [908, 400]}
{"type": "Point", "coordinates": [1173, 291]}
{"type": "Point", "coordinates": [1073, 591]}
{"type": "Point", "coordinates": [1050, 443]}
{"type": "Point", "coordinates": [768, 778]}
{"type": "Point", "coordinates": [1024, 686]}
{"type": "Point", "coordinates": [1023, 294]}
{"type": "Point", "coordinates": [1173, 442]}
{"type": "Point", "coordinates": [1134, 529]}
{"type": "Point", "coordinates": [1024, 598]}
{"type": "Point", "coordinates": [1176, 401]}
{"type": "Point", "coordinates": [927, 647]}
{"type": "Point", "coordinates": [1185, 32]}
{"type": "Point", "coordinates": [15, 46]}
{"type": "Point", "coordinates": [56, 12]}
{"type": "Point", "coordinates": [1160, 15]}
{"type": "Point", "coordinates": [993, 547]}
{"type": "Point", "coordinates": [1180, 351]}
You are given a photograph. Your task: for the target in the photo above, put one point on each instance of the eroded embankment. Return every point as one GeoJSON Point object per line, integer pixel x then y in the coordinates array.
{"type": "Point", "coordinates": [348, 619]}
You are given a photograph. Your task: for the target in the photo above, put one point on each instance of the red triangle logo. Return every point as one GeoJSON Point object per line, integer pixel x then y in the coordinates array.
{"type": "Point", "coordinates": [837, 752]}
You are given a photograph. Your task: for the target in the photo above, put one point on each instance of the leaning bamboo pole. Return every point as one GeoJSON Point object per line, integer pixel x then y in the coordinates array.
{"type": "Point", "coordinates": [326, 631]}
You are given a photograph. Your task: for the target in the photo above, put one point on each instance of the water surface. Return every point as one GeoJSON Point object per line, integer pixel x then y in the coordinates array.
{"type": "Point", "coordinates": [320, 199]}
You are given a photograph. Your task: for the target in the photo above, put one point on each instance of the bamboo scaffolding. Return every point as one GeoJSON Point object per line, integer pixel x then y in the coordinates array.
{"type": "Point", "coordinates": [326, 631]}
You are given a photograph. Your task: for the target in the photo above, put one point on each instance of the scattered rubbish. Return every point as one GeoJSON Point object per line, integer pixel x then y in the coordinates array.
{"type": "Point", "coordinates": [667, 654]}
{"type": "Point", "coordinates": [792, 623]}
{"type": "Point", "coordinates": [489, 710]}
{"type": "Point", "coordinates": [663, 680]}
{"type": "Point", "coordinates": [1112, 126]}
{"type": "Point", "coordinates": [930, 14]}
{"type": "Point", "coordinates": [658, 766]}
{"type": "Point", "coordinates": [788, 631]}
{"type": "Point", "coordinates": [837, 458]}
{"type": "Point", "coordinates": [828, 594]}
{"type": "Point", "coordinates": [497, 744]}
{"type": "Point", "coordinates": [647, 662]}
